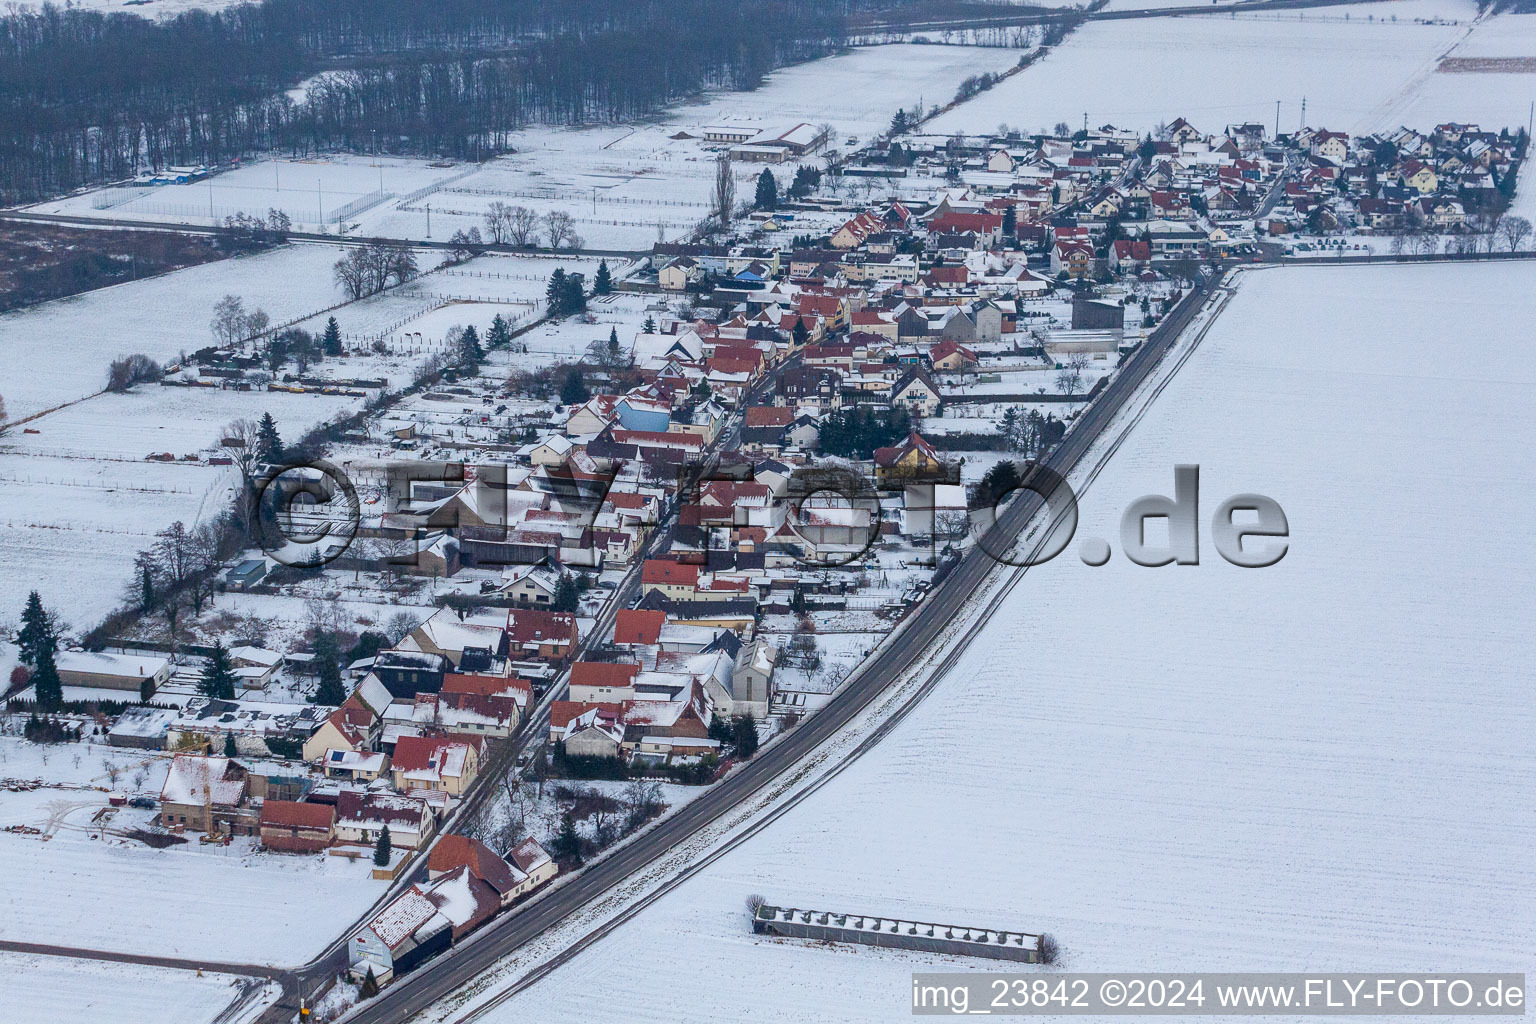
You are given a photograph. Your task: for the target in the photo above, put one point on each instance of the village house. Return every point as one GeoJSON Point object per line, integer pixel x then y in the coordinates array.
{"type": "Point", "coordinates": [435, 763]}
{"type": "Point", "coordinates": [206, 794]}
{"type": "Point", "coordinates": [361, 815]}
{"type": "Point", "coordinates": [289, 827]}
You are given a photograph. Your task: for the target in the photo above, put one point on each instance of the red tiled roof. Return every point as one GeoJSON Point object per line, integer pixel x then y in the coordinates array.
{"type": "Point", "coordinates": [662, 572]}
{"type": "Point", "coordinates": [561, 712]}
{"type": "Point", "coordinates": [483, 685]}
{"type": "Point", "coordinates": [769, 416]}
{"type": "Point", "coordinates": [455, 851]}
{"type": "Point", "coordinates": [526, 625]}
{"type": "Point", "coordinates": [636, 626]}
{"type": "Point", "coordinates": [289, 814]}
{"type": "Point", "coordinates": [602, 673]}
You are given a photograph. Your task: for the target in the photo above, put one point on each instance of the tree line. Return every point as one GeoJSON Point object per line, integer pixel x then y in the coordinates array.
{"type": "Point", "coordinates": [88, 97]}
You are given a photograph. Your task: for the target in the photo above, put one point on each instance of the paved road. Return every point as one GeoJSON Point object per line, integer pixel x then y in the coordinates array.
{"type": "Point", "coordinates": [415, 992]}
{"type": "Point", "coordinates": [174, 963]}
{"type": "Point", "coordinates": [532, 730]}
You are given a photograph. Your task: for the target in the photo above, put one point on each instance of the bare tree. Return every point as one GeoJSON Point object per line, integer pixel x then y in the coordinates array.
{"type": "Point", "coordinates": [522, 226]}
{"type": "Point", "coordinates": [723, 200]}
{"type": "Point", "coordinates": [2, 414]}
{"type": "Point", "coordinates": [228, 323]}
{"type": "Point", "coordinates": [400, 626]}
{"type": "Point", "coordinates": [498, 219]}
{"type": "Point", "coordinates": [239, 442]}
{"type": "Point", "coordinates": [352, 273]}
{"type": "Point", "coordinates": [466, 244]}
{"type": "Point", "coordinates": [399, 263]}
{"type": "Point", "coordinates": [1514, 230]}
{"type": "Point", "coordinates": [560, 230]}
{"type": "Point", "coordinates": [1069, 381]}
{"type": "Point", "coordinates": [256, 324]}
{"type": "Point", "coordinates": [126, 371]}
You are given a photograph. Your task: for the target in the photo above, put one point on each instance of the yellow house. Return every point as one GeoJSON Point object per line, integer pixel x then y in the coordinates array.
{"type": "Point", "coordinates": [349, 728]}
{"type": "Point", "coordinates": [434, 763]}
{"type": "Point", "coordinates": [913, 459]}
{"type": "Point", "coordinates": [1420, 177]}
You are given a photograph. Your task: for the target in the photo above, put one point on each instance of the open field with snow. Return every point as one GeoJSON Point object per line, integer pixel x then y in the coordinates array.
{"type": "Point", "coordinates": [214, 903]}
{"type": "Point", "coordinates": [624, 184]}
{"type": "Point", "coordinates": [1491, 99]}
{"type": "Point", "coordinates": [81, 500]}
{"type": "Point", "coordinates": [46, 990]}
{"type": "Point", "coordinates": [1216, 71]}
{"type": "Point", "coordinates": [1324, 764]}
{"type": "Point", "coordinates": [58, 351]}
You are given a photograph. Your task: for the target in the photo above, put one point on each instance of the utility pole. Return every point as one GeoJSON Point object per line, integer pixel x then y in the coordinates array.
{"type": "Point", "coordinates": [429, 220]}
{"type": "Point", "coordinates": [319, 204]}
{"type": "Point", "coordinates": [1303, 113]}
{"type": "Point", "coordinates": [211, 216]}
{"type": "Point", "coordinates": [1277, 119]}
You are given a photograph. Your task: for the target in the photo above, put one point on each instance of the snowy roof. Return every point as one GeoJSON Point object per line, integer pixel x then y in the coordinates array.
{"type": "Point", "coordinates": [256, 656]}
{"type": "Point", "coordinates": [528, 855]}
{"type": "Point", "coordinates": [398, 921]}
{"type": "Point", "coordinates": [134, 666]}
{"type": "Point", "coordinates": [191, 777]}
{"type": "Point", "coordinates": [456, 897]}
{"type": "Point", "coordinates": [143, 723]}
{"type": "Point", "coordinates": [354, 761]}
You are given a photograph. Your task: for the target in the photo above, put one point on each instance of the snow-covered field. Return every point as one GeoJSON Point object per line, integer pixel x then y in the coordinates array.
{"type": "Point", "coordinates": [1492, 100]}
{"type": "Point", "coordinates": [212, 903]}
{"type": "Point", "coordinates": [47, 990]}
{"type": "Point", "coordinates": [1324, 764]}
{"type": "Point", "coordinates": [58, 351]}
{"type": "Point", "coordinates": [81, 501]}
{"type": "Point", "coordinates": [624, 184]}
{"type": "Point", "coordinates": [1216, 71]}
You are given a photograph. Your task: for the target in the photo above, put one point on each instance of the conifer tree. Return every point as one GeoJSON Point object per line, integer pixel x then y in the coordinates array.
{"type": "Point", "coordinates": [499, 334]}
{"type": "Point", "coordinates": [218, 682]}
{"type": "Point", "coordinates": [602, 284]}
{"type": "Point", "coordinates": [330, 691]}
{"type": "Point", "coordinates": [554, 292]}
{"type": "Point", "coordinates": [383, 849]}
{"type": "Point", "coordinates": [330, 342]}
{"type": "Point", "coordinates": [269, 446]}
{"type": "Point", "coordinates": [45, 681]}
{"type": "Point", "coordinates": [800, 335]}
{"type": "Point", "coordinates": [767, 191]}
{"type": "Point", "coordinates": [37, 633]}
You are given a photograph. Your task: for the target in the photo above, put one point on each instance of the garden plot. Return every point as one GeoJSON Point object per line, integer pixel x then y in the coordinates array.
{"type": "Point", "coordinates": [46, 990]}
{"type": "Point", "coordinates": [1352, 727]}
{"type": "Point", "coordinates": [58, 351]}
{"type": "Point", "coordinates": [416, 320]}
{"type": "Point", "coordinates": [1216, 71]}
{"type": "Point", "coordinates": [352, 602]}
